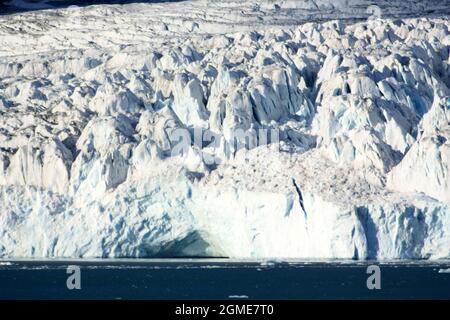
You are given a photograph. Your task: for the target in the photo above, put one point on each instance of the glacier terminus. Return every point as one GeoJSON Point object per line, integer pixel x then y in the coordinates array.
{"type": "Point", "coordinates": [315, 130]}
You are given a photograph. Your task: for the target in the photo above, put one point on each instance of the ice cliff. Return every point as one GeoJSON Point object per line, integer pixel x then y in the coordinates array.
{"type": "Point", "coordinates": [315, 130]}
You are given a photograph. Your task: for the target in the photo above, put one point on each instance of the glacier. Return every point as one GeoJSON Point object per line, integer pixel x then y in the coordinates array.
{"type": "Point", "coordinates": [315, 130]}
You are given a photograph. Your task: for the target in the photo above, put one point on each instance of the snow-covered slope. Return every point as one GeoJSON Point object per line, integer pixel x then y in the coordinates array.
{"type": "Point", "coordinates": [312, 129]}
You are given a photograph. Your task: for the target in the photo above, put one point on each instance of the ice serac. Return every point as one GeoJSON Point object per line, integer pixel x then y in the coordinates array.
{"type": "Point", "coordinates": [325, 134]}
{"type": "Point", "coordinates": [46, 166]}
{"type": "Point", "coordinates": [426, 166]}
{"type": "Point", "coordinates": [104, 150]}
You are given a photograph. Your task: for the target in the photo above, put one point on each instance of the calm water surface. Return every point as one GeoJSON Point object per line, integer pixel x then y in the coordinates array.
{"type": "Point", "coordinates": [222, 279]}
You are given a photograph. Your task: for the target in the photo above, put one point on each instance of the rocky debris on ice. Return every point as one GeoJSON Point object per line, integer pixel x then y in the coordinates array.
{"type": "Point", "coordinates": [319, 139]}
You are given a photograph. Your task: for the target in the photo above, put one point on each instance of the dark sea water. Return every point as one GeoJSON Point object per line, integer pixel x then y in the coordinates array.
{"type": "Point", "coordinates": [222, 279]}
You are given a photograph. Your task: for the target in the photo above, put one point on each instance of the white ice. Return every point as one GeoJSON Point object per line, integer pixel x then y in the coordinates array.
{"type": "Point", "coordinates": [89, 98]}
